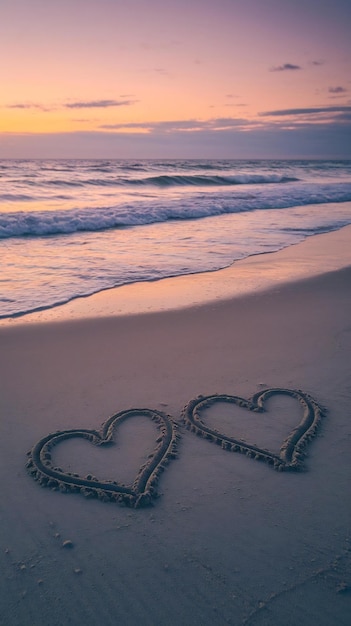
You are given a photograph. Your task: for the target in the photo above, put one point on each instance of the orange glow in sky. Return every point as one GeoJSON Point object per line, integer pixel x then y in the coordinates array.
{"type": "Point", "coordinates": [169, 68]}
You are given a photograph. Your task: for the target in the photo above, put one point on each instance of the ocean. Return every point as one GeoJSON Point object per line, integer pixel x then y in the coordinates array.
{"type": "Point", "coordinates": [71, 228]}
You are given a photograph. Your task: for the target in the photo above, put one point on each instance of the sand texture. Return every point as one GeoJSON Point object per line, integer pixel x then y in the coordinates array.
{"type": "Point", "coordinates": [291, 453]}
{"type": "Point", "coordinates": [143, 489]}
{"type": "Point", "coordinates": [224, 539]}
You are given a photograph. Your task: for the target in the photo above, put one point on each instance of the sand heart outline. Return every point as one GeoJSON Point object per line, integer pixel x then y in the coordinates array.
{"type": "Point", "coordinates": [292, 451]}
{"type": "Point", "coordinates": [143, 490]}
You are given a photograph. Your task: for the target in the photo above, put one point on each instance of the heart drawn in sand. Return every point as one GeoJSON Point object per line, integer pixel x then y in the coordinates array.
{"type": "Point", "coordinates": [291, 452]}
{"type": "Point", "coordinates": [143, 489]}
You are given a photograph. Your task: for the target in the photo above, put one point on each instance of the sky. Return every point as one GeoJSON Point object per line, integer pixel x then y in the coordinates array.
{"type": "Point", "coordinates": [175, 79]}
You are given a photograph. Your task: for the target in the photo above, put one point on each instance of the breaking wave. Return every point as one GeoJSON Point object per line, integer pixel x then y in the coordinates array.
{"type": "Point", "coordinates": [137, 213]}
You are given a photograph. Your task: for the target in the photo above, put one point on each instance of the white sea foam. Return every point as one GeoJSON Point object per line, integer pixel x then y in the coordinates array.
{"type": "Point", "coordinates": [56, 222]}
{"type": "Point", "coordinates": [57, 245]}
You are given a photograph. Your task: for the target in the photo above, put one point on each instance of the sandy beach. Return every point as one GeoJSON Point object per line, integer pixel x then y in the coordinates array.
{"type": "Point", "coordinates": [229, 540]}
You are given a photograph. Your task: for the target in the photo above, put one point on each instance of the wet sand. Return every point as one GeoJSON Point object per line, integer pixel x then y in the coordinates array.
{"type": "Point", "coordinates": [229, 540]}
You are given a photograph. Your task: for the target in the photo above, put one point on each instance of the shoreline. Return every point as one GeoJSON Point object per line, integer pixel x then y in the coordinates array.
{"type": "Point", "coordinates": [314, 256]}
{"type": "Point", "coordinates": [230, 540]}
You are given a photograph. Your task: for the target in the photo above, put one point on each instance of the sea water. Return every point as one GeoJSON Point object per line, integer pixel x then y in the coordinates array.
{"type": "Point", "coordinates": [70, 228]}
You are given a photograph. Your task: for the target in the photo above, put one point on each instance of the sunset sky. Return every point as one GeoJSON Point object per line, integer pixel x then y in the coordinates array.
{"type": "Point", "coordinates": [175, 78]}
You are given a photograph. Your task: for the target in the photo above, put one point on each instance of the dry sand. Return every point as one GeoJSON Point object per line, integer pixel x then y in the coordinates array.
{"type": "Point", "coordinates": [230, 540]}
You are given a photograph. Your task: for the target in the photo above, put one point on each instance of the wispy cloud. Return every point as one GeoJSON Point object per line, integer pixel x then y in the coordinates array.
{"type": "Point", "coordinates": [85, 104]}
{"type": "Point", "coordinates": [237, 104]}
{"type": "Point", "coordinates": [98, 104]}
{"type": "Point", "coordinates": [162, 71]}
{"type": "Point", "coordinates": [29, 105]}
{"type": "Point", "coordinates": [21, 105]}
{"type": "Point", "coordinates": [85, 120]}
{"type": "Point", "coordinates": [179, 126]}
{"type": "Point", "coordinates": [318, 62]}
{"type": "Point", "coordinates": [286, 67]}
{"type": "Point", "coordinates": [337, 90]}
{"type": "Point", "coordinates": [306, 111]}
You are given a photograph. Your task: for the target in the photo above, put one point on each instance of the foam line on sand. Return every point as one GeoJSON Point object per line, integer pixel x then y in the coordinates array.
{"type": "Point", "coordinates": [230, 541]}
